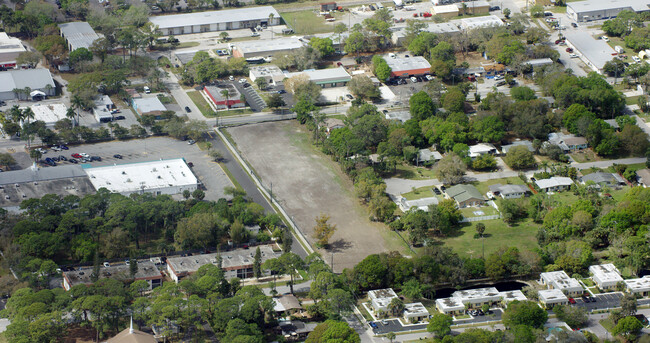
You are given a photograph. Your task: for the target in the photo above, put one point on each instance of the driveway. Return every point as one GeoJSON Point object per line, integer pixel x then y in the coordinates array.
{"type": "Point", "coordinates": [183, 100]}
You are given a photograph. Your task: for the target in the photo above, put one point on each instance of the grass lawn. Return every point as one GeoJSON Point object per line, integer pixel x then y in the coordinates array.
{"type": "Point", "coordinates": [419, 193]}
{"type": "Point", "coordinates": [497, 235]}
{"type": "Point", "coordinates": [200, 102]}
{"type": "Point", "coordinates": [487, 211]}
{"type": "Point", "coordinates": [483, 186]}
{"type": "Point", "coordinates": [631, 100]}
{"type": "Point", "coordinates": [586, 155]}
{"type": "Point", "coordinates": [410, 172]}
{"type": "Point", "coordinates": [308, 22]}
{"type": "Point", "coordinates": [182, 45]}
{"type": "Point", "coordinates": [587, 282]}
{"type": "Point", "coordinates": [228, 113]}
{"type": "Point", "coordinates": [607, 323]}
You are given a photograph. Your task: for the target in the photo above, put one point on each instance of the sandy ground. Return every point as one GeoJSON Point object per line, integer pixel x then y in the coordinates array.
{"type": "Point", "coordinates": [307, 183]}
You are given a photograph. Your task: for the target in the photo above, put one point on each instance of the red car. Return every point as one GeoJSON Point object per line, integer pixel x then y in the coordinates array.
{"type": "Point", "coordinates": [75, 155]}
{"type": "Point", "coordinates": [572, 301]}
{"type": "Point", "coordinates": [569, 50]}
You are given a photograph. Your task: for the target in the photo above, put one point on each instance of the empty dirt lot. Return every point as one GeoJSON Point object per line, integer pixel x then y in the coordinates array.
{"type": "Point", "coordinates": [308, 183]}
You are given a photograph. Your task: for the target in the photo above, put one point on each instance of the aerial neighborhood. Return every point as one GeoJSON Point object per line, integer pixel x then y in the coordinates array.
{"type": "Point", "coordinates": [303, 171]}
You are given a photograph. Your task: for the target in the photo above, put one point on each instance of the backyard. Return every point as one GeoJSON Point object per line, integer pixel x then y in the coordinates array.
{"type": "Point", "coordinates": [484, 186]}
{"type": "Point", "coordinates": [308, 22]}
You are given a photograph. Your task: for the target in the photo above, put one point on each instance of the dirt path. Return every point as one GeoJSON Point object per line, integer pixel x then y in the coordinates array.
{"type": "Point", "coordinates": [308, 183]}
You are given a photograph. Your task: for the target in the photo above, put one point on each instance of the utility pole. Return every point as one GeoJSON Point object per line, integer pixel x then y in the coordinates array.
{"type": "Point", "coordinates": [332, 261]}
{"type": "Point", "coordinates": [271, 192]}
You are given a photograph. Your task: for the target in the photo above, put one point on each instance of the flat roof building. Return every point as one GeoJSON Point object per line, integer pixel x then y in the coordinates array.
{"type": "Point", "coordinates": [272, 74]}
{"type": "Point", "coordinates": [560, 280]}
{"type": "Point", "coordinates": [478, 22]}
{"type": "Point", "coordinates": [552, 297]}
{"type": "Point", "coordinates": [415, 312]}
{"type": "Point", "coordinates": [437, 28]}
{"type": "Point", "coordinates": [445, 11]}
{"type": "Point", "coordinates": [183, 57]}
{"type": "Point", "coordinates": [10, 48]}
{"type": "Point", "coordinates": [38, 79]}
{"type": "Point", "coordinates": [603, 9]}
{"type": "Point", "coordinates": [421, 204]}
{"type": "Point", "coordinates": [509, 296]}
{"type": "Point", "coordinates": [594, 52]}
{"type": "Point", "coordinates": [220, 101]}
{"type": "Point", "coordinates": [326, 78]}
{"type": "Point", "coordinates": [479, 296]}
{"type": "Point", "coordinates": [554, 184]}
{"type": "Point", "coordinates": [266, 47]}
{"type": "Point", "coordinates": [49, 113]}
{"type": "Point", "coordinates": [408, 66]}
{"type": "Point", "coordinates": [639, 286]}
{"type": "Point", "coordinates": [146, 271]}
{"type": "Point", "coordinates": [473, 7]}
{"type": "Point", "coordinates": [148, 106]}
{"type": "Point", "coordinates": [158, 177]}
{"type": "Point", "coordinates": [606, 276]}
{"type": "Point", "coordinates": [381, 298]}
{"type": "Point", "coordinates": [236, 263]}
{"type": "Point", "coordinates": [232, 19]}
{"type": "Point", "coordinates": [102, 109]}
{"type": "Point", "coordinates": [78, 34]}
{"type": "Point", "coordinates": [450, 306]}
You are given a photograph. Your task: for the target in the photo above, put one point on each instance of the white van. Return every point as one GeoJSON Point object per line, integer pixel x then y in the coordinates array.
{"type": "Point", "coordinates": [147, 90]}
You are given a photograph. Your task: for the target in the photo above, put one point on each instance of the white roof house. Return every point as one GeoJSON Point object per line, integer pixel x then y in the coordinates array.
{"type": "Point", "coordinates": [606, 276]}
{"type": "Point", "coordinates": [49, 113]}
{"type": "Point", "coordinates": [478, 296]}
{"type": "Point", "coordinates": [550, 297]}
{"type": "Point", "coordinates": [415, 311]}
{"type": "Point", "coordinates": [422, 204]}
{"type": "Point", "coordinates": [509, 296]}
{"type": "Point", "coordinates": [158, 177]}
{"type": "Point", "coordinates": [554, 183]}
{"type": "Point", "coordinates": [272, 74]}
{"type": "Point", "coordinates": [78, 34]}
{"type": "Point", "coordinates": [381, 298]}
{"type": "Point", "coordinates": [148, 105]}
{"type": "Point", "coordinates": [10, 48]}
{"type": "Point", "coordinates": [450, 305]}
{"type": "Point", "coordinates": [560, 280]}
{"type": "Point", "coordinates": [638, 286]}
{"type": "Point", "coordinates": [478, 22]}
{"type": "Point", "coordinates": [507, 191]}
{"type": "Point", "coordinates": [482, 149]}
{"type": "Point", "coordinates": [231, 19]}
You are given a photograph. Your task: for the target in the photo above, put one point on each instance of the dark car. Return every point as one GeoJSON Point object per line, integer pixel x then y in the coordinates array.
{"type": "Point", "coordinates": [55, 159]}
{"type": "Point", "coordinates": [72, 160]}
{"type": "Point", "coordinates": [120, 118]}
{"type": "Point", "coordinates": [592, 299]}
{"type": "Point", "coordinates": [281, 91]}
{"type": "Point", "coordinates": [187, 109]}
{"type": "Point", "coordinates": [586, 299]}
{"type": "Point", "coordinates": [246, 85]}
{"type": "Point", "coordinates": [349, 96]}
{"type": "Point", "coordinates": [569, 50]}
{"type": "Point", "coordinates": [190, 164]}
{"type": "Point", "coordinates": [574, 24]}
{"type": "Point", "coordinates": [95, 158]}
{"type": "Point", "coordinates": [62, 158]}
{"type": "Point", "coordinates": [50, 162]}
{"type": "Point", "coordinates": [118, 156]}
{"type": "Point", "coordinates": [63, 147]}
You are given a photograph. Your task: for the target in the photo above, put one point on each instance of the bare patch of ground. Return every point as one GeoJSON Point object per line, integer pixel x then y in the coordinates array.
{"type": "Point", "coordinates": [307, 183]}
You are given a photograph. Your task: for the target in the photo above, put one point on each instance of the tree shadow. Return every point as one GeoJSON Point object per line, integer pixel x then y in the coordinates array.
{"type": "Point", "coordinates": [339, 246]}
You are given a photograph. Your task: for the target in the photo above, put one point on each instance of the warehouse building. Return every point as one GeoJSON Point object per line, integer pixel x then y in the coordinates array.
{"type": "Point", "coordinates": [445, 11]}
{"type": "Point", "coordinates": [10, 48]}
{"type": "Point", "coordinates": [236, 263]}
{"type": "Point", "coordinates": [479, 22]}
{"type": "Point", "coordinates": [158, 177]}
{"type": "Point", "coordinates": [407, 66]}
{"type": "Point", "coordinates": [399, 36]}
{"type": "Point", "coordinates": [78, 34]}
{"type": "Point", "coordinates": [326, 78]}
{"type": "Point", "coordinates": [272, 74]}
{"type": "Point", "coordinates": [266, 48]}
{"type": "Point", "coordinates": [147, 271]}
{"type": "Point", "coordinates": [473, 7]}
{"type": "Point", "coordinates": [594, 52]}
{"type": "Point", "coordinates": [150, 106]}
{"type": "Point", "coordinates": [39, 82]}
{"type": "Point", "coordinates": [210, 21]}
{"type": "Point", "coordinates": [603, 9]}
{"type": "Point", "coordinates": [606, 276]}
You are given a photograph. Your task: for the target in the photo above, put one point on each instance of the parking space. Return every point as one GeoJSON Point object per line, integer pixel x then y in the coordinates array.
{"type": "Point", "coordinates": [254, 100]}
{"type": "Point", "coordinates": [334, 94]}
{"type": "Point", "coordinates": [381, 327]}
{"type": "Point", "coordinates": [603, 301]}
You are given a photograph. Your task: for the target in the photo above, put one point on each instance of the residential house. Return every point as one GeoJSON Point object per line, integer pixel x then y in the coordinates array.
{"type": "Point", "coordinates": [475, 298]}
{"type": "Point", "coordinates": [482, 149]}
{"type": "Point", "coordinates": [428, 156]}
{"type": "Point", "coordinates": [554, 184]}
{"type": "Point", "coordinates": [643, 177]}
{"type": "Point", "coordinates": [286, 305]}
{"type": "Point", "coordinates": [613, 123]}
{"type": "Point", "coordinates": [507, 191]}
{"type": "Point", "coordinates": [465, 195]}
{"type": "Point", "coordinates": [567, 142]}
{"type": "Point", "coordinates": [332, 124]}
{"type": "Point", "coordinates": [422, 204]}
{"type": "Point", "coordinates": [526, 143]}
{"type": "Point", "coordinates": [602, 179]}
{"type": "Point", "coordinates": [295, 330]}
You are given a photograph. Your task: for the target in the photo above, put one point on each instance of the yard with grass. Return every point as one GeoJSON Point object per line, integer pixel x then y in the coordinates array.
{"type": "Point", "coordinates": [483, 186]}
{"type": "Point", "coordinates": [308, 22]}
{"type": "Point", "coordinates": [497, 235]}
{"type": "Point", "coordinates": [410, 172]}
{"type": "Point", "coordinates": [586, 155]}
{"type": "Point", "coordinates": [470, 212]}
{"type": "Point", "coordinates": [201, 103]}
{"type": "Point", "coordinates": [422, 192]}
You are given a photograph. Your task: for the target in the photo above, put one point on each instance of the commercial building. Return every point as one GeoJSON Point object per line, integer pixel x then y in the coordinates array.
{"type": "Point", "coordinates": [507, 191]}
{"type": "Point", "coordinates": [465, 195]}
{"type": "Point", "coordinates": [437, 28]}
{"type": "Point", "coordinates": [148, 106]}
{"type": "Point", "coordinates": [236, 263]}
{"type": "Point", "coordinates": [638, 286]}
{"type": "Point", "coordinates": [38, 81]}
{"type": "Point", "coordinates": [381, 298]}
{"type": "Point", "coordinates": [603, 9]}
{"type": "Point", "coordinates": [450, 306]}
{"type": "Point", "coordinates": [158, 177]}
{"type": "Point", "coordinates": [473, 7]}
{"type": "Point", "coordinates": [554, 184]}
{"type": "Point", "coordinates": [482, 149]}
{"type": "Point", "coordinates": [233, 100]}
{"type": "Point", "coordinates": [50, 113]}
{"type": "Point", "coordinates": [517, 295]}
{"type": "Point", "coordinates": [475, 298]}
{"type": "Point", "coordinates": [240, 18]}
{"type": "Point", "coordinates": [78, 34]}
{"type": "Point", "coordinates": [603, 179]}
{"type": "Point", "coordinates": [272, 74]}
{"type": "Point", "coordinates": [445, 11]}
{"type": "Point", "coordinates": [407, 66]}
{"type": "Point", "coordinates": [415, 312]}
{"type": "Point", "coordinates": [266, 47]}
{"type": "Point", "coordinates": [327, 6]}
{"type": "Point", "coordinates": [147, 271]}
{"type": "Point", "coordinates": [552, 297]}
{"type": "Point", "coordinates": [183, 57]}
{"type": "Point", "coordinates": [606, 276]}
{"type": "Point", "coordinates": [560, 280]}
{"type": "Point", "coordinates": [594, 52]}
{"type": "Point", "coordinates": [478, 22]}
{"type": "Point", "coordinates": [102, 109]}
{"type": "Point", "coordinates": [326, 78]}
{"type": "Point", "coordinates": [10, 48]}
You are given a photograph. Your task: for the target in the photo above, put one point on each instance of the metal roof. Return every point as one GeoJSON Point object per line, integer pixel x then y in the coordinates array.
{"type": "Point", "coordinates": [268, 45]}
{"type": "Point", "coordinates": [319, 76]}
{"type": "Point", "coordinates": [554, 182]}
{"type": "Point", "coordinates": [151, 104]}
{"type": "Point", "coordinates": [398, 64]}
{"type": "Point", "coordinates": [79, 34]}
{"type": "Point", "coordinates": [37, 78]}
{"type": "Point", "coordinates": [462, 193]}
{"type": "Point", "coordinates": [597, 51]}
{"type": "Point", "coordinates": [214, 17]}
{"type": "Point", "coordinates": [601, 5]}
{"type": "Point", "coordinates": [41, 174]}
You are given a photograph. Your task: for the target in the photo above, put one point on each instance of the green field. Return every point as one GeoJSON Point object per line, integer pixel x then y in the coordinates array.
{"type": "Point", "coordinates": [407, 171]}
{"type": "Point", "coordinates": [200, 102]}
{"type": "Point", "coordinates": [419, 193]}
{"type": "Point", "coordinates": [483, 186]}
{"type": "Point", "coordinates": [308, 22]}
{"type": "Point", "coordinates": [498, 235]}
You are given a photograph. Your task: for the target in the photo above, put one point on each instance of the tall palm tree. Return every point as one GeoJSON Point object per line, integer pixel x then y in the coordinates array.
{"type": "Point", "coordinates": [71, 114]}
{"type": "Point", "coordinates": [226, 94]}
{"type": "Point", "coordinates": [16, 114]}
{"type": "Point", "coordinates": [29, 115]}
{"type": "Point", "coordinates": [77, 103]}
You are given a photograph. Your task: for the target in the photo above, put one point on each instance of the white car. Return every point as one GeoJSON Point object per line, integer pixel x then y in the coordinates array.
{"type": "Point", "coordinates": [429, 77]}
{"type": "Point", "coordinates": [605, 38]}
{"type": "Point", "coordinates": [231, 78]}
{"type": "Point", "coordinates": [147, 90]}
{"type": "Point", "coordinates": [499, 77]}
{"type": "Point", "coordinates": [636, 59]}
{"type": "Point", "coordinates": [573, 55]}
{"type": "Point", "coordinates": [242, 80]}
{"type": "Point", "coordinates": [414, 79]}
{"type": "Point", "coordinates": [106, 264]}
{"type": "Point", "coordinates": [83, 154]}
{"type": "Point", "coordinates": [255, 34]}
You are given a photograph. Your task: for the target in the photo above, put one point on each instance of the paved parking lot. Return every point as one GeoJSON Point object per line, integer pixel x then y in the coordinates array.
{"type": "Point", "coordinates": [209, 173]}
{"type": "Point", "coordinates": [603, 301]}
{"type": "Point", "coordinates": [394, 325]}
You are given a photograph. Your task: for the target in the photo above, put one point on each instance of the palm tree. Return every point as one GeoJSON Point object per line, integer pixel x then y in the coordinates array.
{"type": "Point", "coordinates": [48, 88]}
{"type": "Point", "coordinates": [226, 94]}
{"type": "Point", "coordinates": [29, 115]}
{"type": "Point", "coordinates": [77, 103]}
{"type": "Point", "coordinates": [271, 23]}
{"type": "Point", "coordinates": [71, 114]}
{"type": "Point", "coordinates": [16, 114]}
{"type": "Point", "coordinates": [544, 165]}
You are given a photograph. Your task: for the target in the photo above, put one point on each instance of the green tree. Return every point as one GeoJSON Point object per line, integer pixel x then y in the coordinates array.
{"type": "Point", "coordinates": [421, 106]}
{"type": "Point", "coordinates": [363, 87]}
{"type": "Point", "coordinates": [440, 325]}
{"type": "Point", "coordinates": [537, 11]}
{"type": "Point", "coordinates": [333, 331]}
{"type": "Point", "coordinates": [323, 230]}
{"type": "Point", "coordinates": [506, 13]}
{"type": "Point", "coordinates": [575, 317]}
{"type": "Point", "coordinates": [487, 129]}
{"type": "Point", "coordinates": [628, 327]}
{"type": "Point", "coordinates": [324, 45]}
{"type": "Point", "coordinates": [524, 313]}
{"type": "Point", "coordinates": [522, 93]}
{"type": "Point", "coordinates": [451, 169]}
{"type": "Point", "coordinates": [257, 263]}
{"type": "Point", "coordinates": [454, 100]}
{"type": "Point", "coordinates": [520, 157]}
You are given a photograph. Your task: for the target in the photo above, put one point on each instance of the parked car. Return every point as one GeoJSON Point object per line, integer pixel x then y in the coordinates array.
{"type": "Point", "coordinates": [574, 24]}
{"type": "Point", "coordinates": [349, 96]}
{"type": "Point", "coordinates": [605, 38]}
{"type": "Point", "coordinates": [242, 80]}
{"type": "Point", "coordinates": [429, 77]}
{"type": "Point", "coordinates": [592, 299]}
{"type": "Point", "coordinates": [636, 59]}
{"type": "Point", "coordinates": [573, 55]}
{"type": "Point", "coordinates": [62, 158]}
{"type": "Point", "coordinates": [281, 91]}
{"type": "Point", "coordinates": [95, 158]}
{"type": "Point", "coordinates": [231, 78]}
{"type": "Point", "coordinates": [76, 155]}
{"type": "Point", "coordinates": [106, 264]}
{"type": "Point", "coordinates": [187, 109]}
{"type": "Point", "coordinates": [118, 156]}
{"type": "Point", "coordinates": [414, 79]}
{"type": "Point", "coordinates": [501, 83]}
{"type": "Point", "coordinates": [72, 160]}
{"type": "Point", "coordinates": [569, 49]}
{"type": "Point", "coordinates": [191, 141]}
{"type": "Point", "coordinates": [147, 90]}
{"type": "Point", "coordinates": [499, 77]}
{"type": "Point", "coordinates": [572, 301]}
{"type": "Point", "coordinates": [63, 147]}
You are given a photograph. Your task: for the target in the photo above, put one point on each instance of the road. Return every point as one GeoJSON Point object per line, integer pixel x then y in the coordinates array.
{"type": "Point", "coordinates": [183, 100]}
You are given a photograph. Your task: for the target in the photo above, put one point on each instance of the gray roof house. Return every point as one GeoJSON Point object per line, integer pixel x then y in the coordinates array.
{"type": "Point", "coordinates": [465, 195]}
{"type": "Point", "coordinates": [555, 183]}
{"type": "Point", "coordinates": [38, 79]}
{"type": "Point", "coordinates": [567, 142]}
{"type": "Point", "coordinates": [602, 179]}
{"type": "Point", "coordinates": [208, 21]}
{"type": "Point", "coordinates": [526, 143]}
{"type": "Point", "coordinates": [78, 34]}
{"type": "Point", "coordinates": [427, 155]}
{"type": "Point", "coordinates": [508, 191]}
